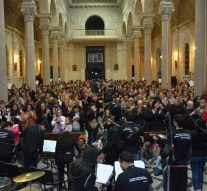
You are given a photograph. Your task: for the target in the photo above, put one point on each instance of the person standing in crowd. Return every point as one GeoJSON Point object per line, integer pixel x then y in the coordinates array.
{"type": "Point", "coordinates": [130, 133]}
{"type": "Point", "coordinates": [58, 122]}
{"type": "Point", "coordinates": [28, 116]}
{"type": "Point", "coordinates": [43, 115]}
{"type": "Point", "coordinates": [82, 171]}
{"type": "Point", "coordinates": [178, 150]}
{"type": "Point", "coordinates": [33, 139]}
{"type": "Point", "coordinates": [133, 178]}
{"type": "Point", "coordinates": [14, 113]}
{"type": "Point", "coordinates": [78, 118]}
{"type": "Point", "coordinates": [92, 116]}
{"type": "Point", "coordinates": [6, 142]}
{"type": "Point", "coordinates": [82, 142]}
{"type": "Point", "coordinates": [199, 152]}
{"type": "Point", "coordinates": [198, 112]}
{"type": "Point", "coordinates": [143, 115]}
{"type": "Point", "coordinates": [64, 153]}
{"type": "Point", "coordinates": [157, 122]}
{"type": "Point", "coordinates": [3, 112]}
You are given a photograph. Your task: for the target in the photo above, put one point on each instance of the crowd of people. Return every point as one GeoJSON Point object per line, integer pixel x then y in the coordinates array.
{"type": "Point", "coordinates": [111, 117]}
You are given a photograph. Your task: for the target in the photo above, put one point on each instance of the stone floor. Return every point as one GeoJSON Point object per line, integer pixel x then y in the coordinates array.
{"type": "Point", "coordinates": [157, 180]}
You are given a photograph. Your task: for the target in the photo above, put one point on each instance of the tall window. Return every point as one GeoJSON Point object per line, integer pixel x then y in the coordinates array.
{"type": "Point", "coordinates": [20, 63]}
{"type": "Point", "coordinates": [187, 59]}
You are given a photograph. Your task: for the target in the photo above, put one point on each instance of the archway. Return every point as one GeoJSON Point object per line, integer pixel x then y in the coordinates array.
{"type": "Point", "coordinates": [124, 29]}
{"type": "Point", "coordinates": [138, 7]}
{"type": "Point", "coordinates": [129, 24]}
{"type": "Point", "coordinates": [61, 22]}
{"type": "Point", "coordinates": [94, 26]}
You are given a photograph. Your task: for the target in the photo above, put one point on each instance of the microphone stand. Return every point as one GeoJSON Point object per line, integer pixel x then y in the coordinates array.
{"type": "Point", "coordinates": [171, 136]}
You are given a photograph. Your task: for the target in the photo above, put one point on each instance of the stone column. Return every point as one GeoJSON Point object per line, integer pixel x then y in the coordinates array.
{"type": "Point", "coordinates": [29, 11]}
{"type": "Point", "coordinates": [147, 26]}
{"type": "Point", "coordinates": [62, 50]}
{"type": "Point", "coordinates": [165, 10]}
{"type": "Point", "coordinates": [55, 36]}
{"type": "Point", "coordinates": [129, 43]}
{"type": "Point", "coordinates": [137, 35]}
{"type": "Point", "coordinates": [3, 65]}
{"type": "Point", "coordinates": [45, 27]}
{"type": "Point", "coordinates": [200, 43]}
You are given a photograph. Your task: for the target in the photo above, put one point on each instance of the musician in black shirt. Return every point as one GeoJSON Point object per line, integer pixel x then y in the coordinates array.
{"type": "Point", "coordinates": [178, 150]}
{"type": "Point", "coordinates": [133, 178]}
{"type": "Point", "coordinates": [130, 133]}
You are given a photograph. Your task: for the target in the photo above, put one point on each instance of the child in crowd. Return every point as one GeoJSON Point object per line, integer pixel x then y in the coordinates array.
{"type": "Point", "coordinates": [146, 154]}
{"type": "Point", "coordinates": [68, 124]}
{"type": "Point", "coordinates": [82, 142]}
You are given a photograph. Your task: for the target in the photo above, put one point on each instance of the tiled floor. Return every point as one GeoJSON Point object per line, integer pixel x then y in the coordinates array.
{"type": "Point", "coordinates": [158, 180]}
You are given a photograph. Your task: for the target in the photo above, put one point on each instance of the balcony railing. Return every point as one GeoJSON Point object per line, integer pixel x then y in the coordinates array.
{"type": "Point", "coordinates": [81, 33]}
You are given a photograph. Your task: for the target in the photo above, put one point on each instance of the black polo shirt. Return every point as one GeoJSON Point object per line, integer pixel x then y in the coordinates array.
{"type": "Point", "coordinates": [134, 179]}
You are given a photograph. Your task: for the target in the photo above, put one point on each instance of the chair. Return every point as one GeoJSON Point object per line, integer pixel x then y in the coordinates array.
{"type": "Point", "coordinates": [49, 181]}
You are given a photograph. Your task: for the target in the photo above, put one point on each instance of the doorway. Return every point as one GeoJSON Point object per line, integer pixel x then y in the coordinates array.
{"type": "Point", "coordinates": [95, 63]}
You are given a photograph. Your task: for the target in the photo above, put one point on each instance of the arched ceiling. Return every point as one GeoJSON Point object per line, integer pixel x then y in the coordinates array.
{"type": "Point", "coordinates": [184, 11]}
{"type": "Point", "coordinates": [15, 19]}
{"type": "Point", "coordinates": [13, 16]}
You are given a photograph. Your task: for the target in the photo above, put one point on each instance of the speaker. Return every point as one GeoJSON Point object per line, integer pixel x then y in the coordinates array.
{"type": "Point", "coordinates": [173, 81]}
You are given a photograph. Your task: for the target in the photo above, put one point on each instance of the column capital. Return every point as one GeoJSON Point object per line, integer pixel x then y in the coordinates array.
{"type": "Point", "coordinates": [55, 32]}
{"type": "Point", "coordinates": [166, 9]}
{"type": "Point", "coordinates": [147, 20]}
{"type": "Point", "coordinates": [28, 9]}
{"type": "Point", "coordinates": [137, 32]}
{"type": "Point", "coordinates": [129, 40]}
{"type": "Point", "coordinates": [62, 39]}
{"type": "Point", "coordinates": [45, 23]}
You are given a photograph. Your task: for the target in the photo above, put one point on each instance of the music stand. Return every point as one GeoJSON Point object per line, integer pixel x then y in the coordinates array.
{"type": "Point", "coordinates": [48, 149]}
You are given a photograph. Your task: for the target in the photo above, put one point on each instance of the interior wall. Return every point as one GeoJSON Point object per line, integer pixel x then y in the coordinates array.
{"type": "Point", "coordinates": [75, 54]}
{"type": "Point", "coordinates": [111, 16]}
{"type": "Point", "coordinates": [181, 35]}
{"type": "Point", "coordinates": [14, 43]}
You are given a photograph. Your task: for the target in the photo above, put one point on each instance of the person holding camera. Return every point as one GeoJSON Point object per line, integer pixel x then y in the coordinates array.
{"type": "Point", "coordinates": [58, 122]}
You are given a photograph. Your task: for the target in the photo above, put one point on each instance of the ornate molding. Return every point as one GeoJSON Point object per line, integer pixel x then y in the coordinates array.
{"type": "Point", "coordinates": [28, 9]}
{"type": "Point", "coordinates": [62, 40]}
{"type": "Point", "coordinates": [45, 23]}
{"type": "Point", "coordinates": [54, 34]}
{"type": "Point", "coordinates": [166, 9]}
{"type": "Point", "coordinates": [137, 32]}
{"type": "Point", "coordinates": [147, 20]}
{"type": "Point", "coordinates": [75, 18]}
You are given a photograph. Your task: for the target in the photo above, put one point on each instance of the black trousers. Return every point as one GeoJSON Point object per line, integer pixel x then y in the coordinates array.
{"type": "Point", "coordinates": [177, 178]}
{"type": "Point", "coordinates": [62, 162]}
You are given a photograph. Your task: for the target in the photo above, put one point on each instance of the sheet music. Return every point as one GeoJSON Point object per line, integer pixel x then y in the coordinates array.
{"type": "Point", "coordinates": [104, 173]}
{"type": "Point", "coordinates": [49, 146]}
{"type": "Point", "coordinates": [118, 170]}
